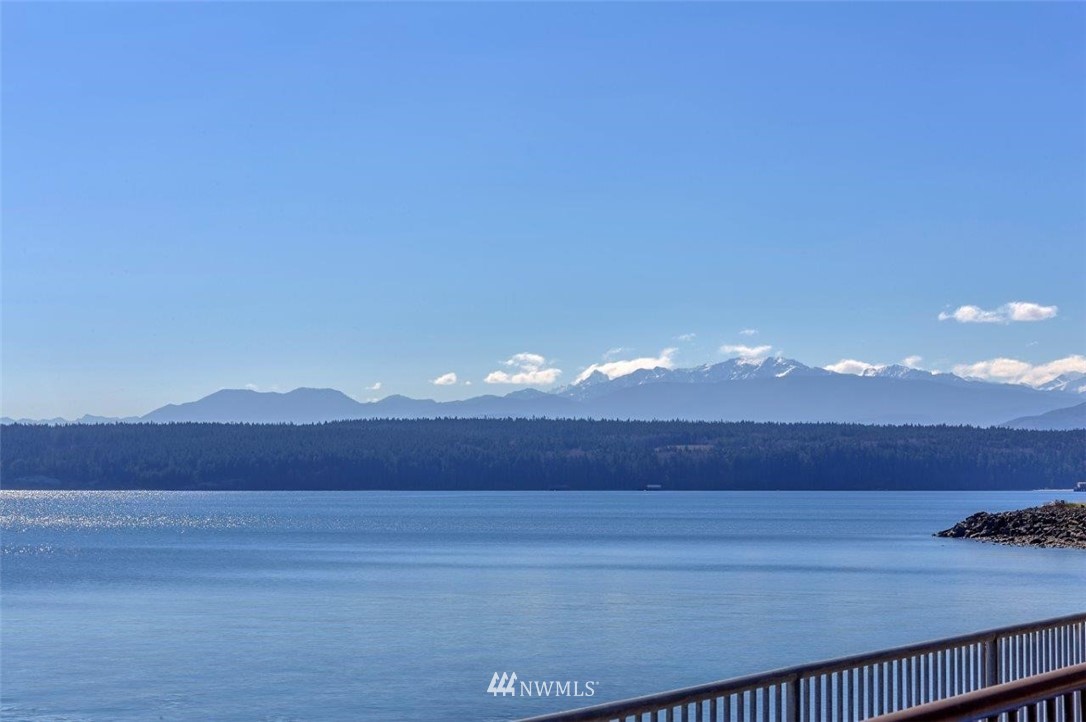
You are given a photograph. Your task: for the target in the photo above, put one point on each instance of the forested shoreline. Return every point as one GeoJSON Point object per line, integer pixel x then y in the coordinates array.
{"type": "Point", "coordinates": [535, 454]}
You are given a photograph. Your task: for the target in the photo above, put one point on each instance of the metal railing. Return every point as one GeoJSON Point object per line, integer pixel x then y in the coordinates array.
{"type": "Point", "coordinates": [1058, 696]}
{"type": "Point", "coordinates": [862, 686]}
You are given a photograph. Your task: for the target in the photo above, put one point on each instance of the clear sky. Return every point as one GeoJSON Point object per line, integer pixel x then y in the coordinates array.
{"type": "Point", "coordinates": [200, 196]}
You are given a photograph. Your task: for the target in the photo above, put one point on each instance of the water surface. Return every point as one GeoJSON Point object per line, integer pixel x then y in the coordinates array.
{"type": "Point", "coordinates": [402, 605]}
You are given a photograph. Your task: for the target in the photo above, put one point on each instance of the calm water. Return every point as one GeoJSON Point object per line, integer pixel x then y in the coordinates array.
{"type": "Point", "coordinates": [371, 605]}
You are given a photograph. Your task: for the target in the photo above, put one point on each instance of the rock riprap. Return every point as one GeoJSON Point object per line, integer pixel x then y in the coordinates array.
{"type": "Point", "coordinates": [1059, 524]}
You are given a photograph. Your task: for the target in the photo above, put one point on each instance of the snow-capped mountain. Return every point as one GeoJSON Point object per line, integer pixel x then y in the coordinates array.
{"type": "Point", "coordinates": [775, 367]}
{"type": "Point", "coordinates": [783, 389]}
{"type": "Point", "coordinates": [736, 369]}
{"type": "Point", "coordinates": [1073, 382]}
{"type": "Point", "coordinates": [896, 371]}
{"type": "Point", "coordinates": [907, 373]}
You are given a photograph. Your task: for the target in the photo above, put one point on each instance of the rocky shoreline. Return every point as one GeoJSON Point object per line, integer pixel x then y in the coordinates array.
{"type": "Point", "coordinates": [1058, 525]}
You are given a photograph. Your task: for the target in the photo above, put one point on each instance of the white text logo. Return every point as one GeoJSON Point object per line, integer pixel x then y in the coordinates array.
{"type": "Point", "coordinates": [506, 685]}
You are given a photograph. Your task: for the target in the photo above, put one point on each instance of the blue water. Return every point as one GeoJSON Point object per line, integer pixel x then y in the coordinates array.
{"type": "Point", "coordinates": [401, 606]}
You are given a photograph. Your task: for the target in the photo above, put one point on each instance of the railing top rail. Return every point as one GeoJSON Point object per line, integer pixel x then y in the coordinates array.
{"type": "Point", "coordinates": [734, 685]}
{"type": "Point", "coordinates": [993, 701]}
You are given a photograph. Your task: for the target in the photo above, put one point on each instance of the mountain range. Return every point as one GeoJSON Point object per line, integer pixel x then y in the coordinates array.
{"type": "Point", "coordinates": [771, 389]}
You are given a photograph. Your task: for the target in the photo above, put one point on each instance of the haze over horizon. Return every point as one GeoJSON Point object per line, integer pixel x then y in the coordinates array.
{"type": "Point", "coordinates": [444, 201]}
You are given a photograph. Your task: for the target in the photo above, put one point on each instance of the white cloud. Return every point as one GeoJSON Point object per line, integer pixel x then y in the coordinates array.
{"type": "Point", "coordinates": [997, 369]}
{"type": "Point", "coordinates": [1024, 311]}
{"type": "Point", "coordinates": [912, 362]}
{"type": "Point", "coordinates": [686, 337]}
{"type": "Point", "coordinates": [375, 387]}
{"type": "Point", "coordinates": [533, 360]}
{"type": "Point", "coordinates": [445, 379]}
{"type": "Point", "coordinates": [612, 352]}
{"type": "Point", "coordinates": [252, 387]}
{"type": "Point", "coordinates": [747, 353]}
{"type": "Point", "coordinates": [749, 332]}
{"type": "Point", "coordinates": [614, 369]}
{"type": "Point", "coordinates": [529, 369]}
{"type": "Point", "coordinates": [850, 366]}
{"type": "Point", "coordinates": [1009, 370]}
{"type": "Point", "coordinates": [971, 314]}
{"type": "Point", "coordinates": [1008, 312]}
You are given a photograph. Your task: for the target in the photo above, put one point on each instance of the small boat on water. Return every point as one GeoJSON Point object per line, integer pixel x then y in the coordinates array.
{"type": "Point", "coordinates": [1081, 486]}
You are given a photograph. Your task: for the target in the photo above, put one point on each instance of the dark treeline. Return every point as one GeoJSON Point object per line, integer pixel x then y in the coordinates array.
{"type": "Point", "coordinates": [537, 454]}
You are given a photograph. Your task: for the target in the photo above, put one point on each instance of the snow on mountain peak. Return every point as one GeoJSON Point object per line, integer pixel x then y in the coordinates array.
{"type": "Point", "coordinates": [895, 371]}
{"type": "Point", "coordinates": [1073, 382]}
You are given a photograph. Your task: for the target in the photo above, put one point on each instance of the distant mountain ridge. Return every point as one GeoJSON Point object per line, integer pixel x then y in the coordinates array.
{"type": "Point", "coordinates": [302, 406]}
{"type": "Point", "coordinates": [1066, 419]}
{"type": "Point", "coordinates": [770, 389]}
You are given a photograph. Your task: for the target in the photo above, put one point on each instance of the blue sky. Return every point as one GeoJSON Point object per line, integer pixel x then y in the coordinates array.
{"type": "Point", "coordinates": [199, 196]}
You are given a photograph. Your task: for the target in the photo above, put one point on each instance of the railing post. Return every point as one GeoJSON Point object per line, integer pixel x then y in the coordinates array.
{"type": "Point", "coordinates": [991, 661]}
{"type": "Point", "coordinates": [793, 700]}
{"type": "Point", "coordinates": [991, 667]}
